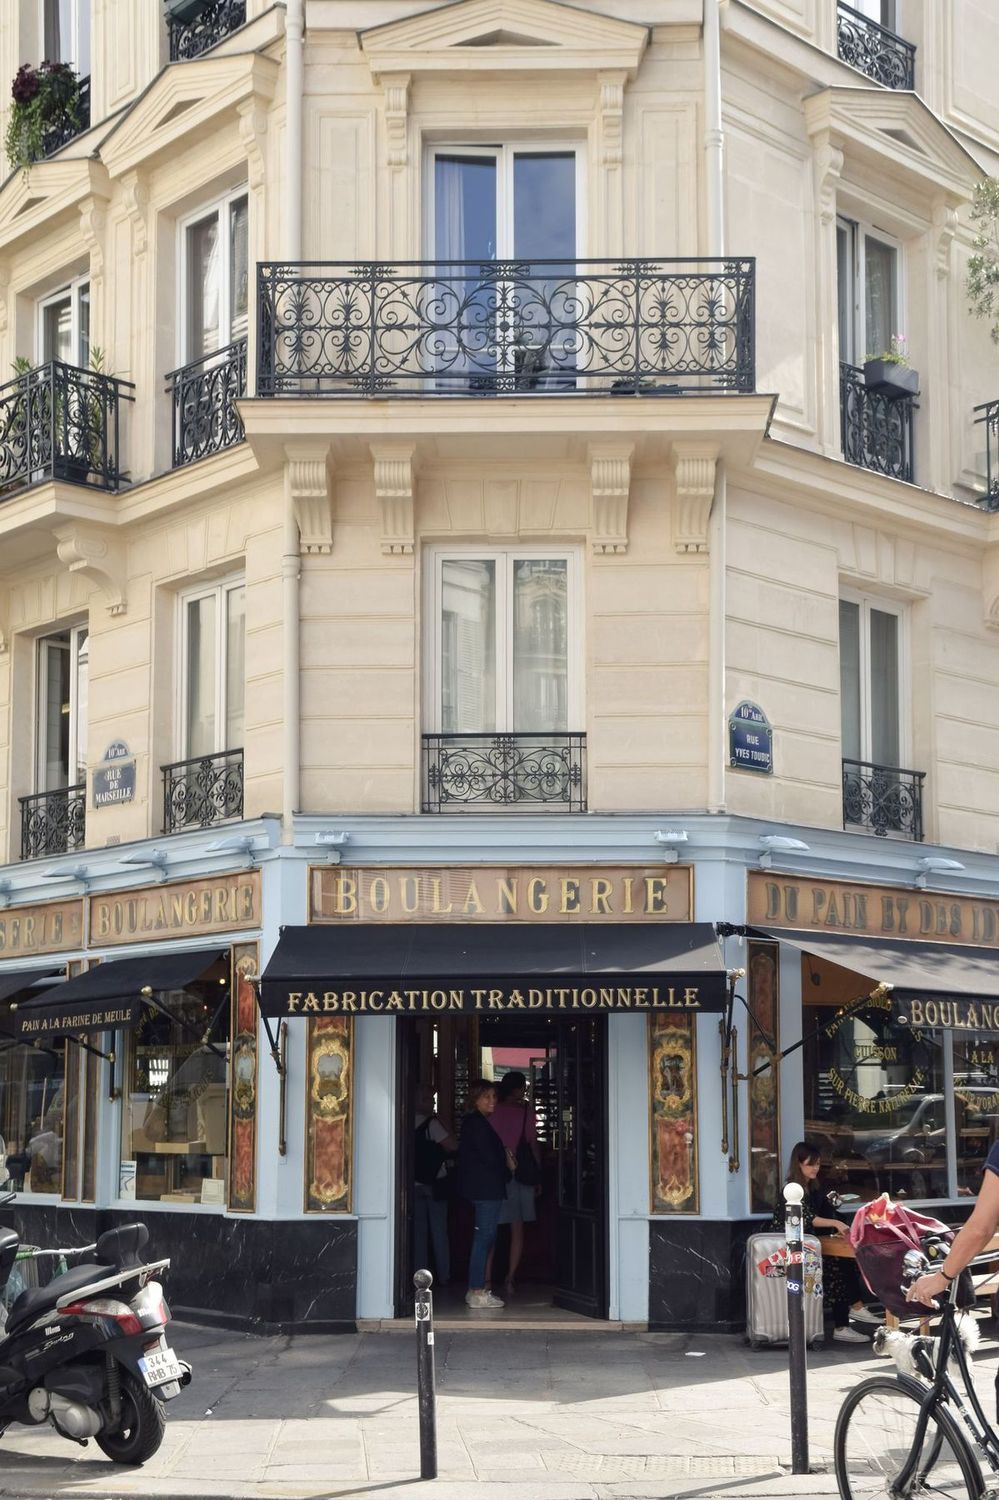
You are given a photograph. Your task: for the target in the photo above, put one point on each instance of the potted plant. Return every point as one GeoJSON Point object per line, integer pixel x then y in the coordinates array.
{"type": "Point", "coordinates": [889, 373]}
{"type": "Point", "coordinates": [81, 415]}
{"type": "Point", "coordinates": [46, 109]}
{"type": "Point", "coordinates": [185, 11]}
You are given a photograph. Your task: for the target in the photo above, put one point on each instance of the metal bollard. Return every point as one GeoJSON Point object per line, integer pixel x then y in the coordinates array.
{"type": "Point", "coordinates": [425, 1384]}
{"type": "Point", "coordinates": [793, 1194]}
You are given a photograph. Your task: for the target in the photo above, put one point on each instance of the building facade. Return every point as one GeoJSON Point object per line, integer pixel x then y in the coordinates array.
{"type": "Point", "coordinates": [468, 473]}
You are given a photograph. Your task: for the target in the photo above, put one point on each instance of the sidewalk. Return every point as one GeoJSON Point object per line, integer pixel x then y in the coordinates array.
{"type": "Point", "coordinates": [521, 1416]}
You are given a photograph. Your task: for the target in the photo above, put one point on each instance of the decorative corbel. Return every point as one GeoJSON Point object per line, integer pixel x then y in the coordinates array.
{"type": "Point", "coordinates": [828, 160]}
{"type": "Point", "coordinates": [307, 471]}
{"type": "Point", "coordinates": [610, 488]}
{"type": "Point", "coordinates": [136, 193]}
{"type": "Point", "coordinates": [395, 482]}
{"type": "Point", "coordinates": [4, 295]}
{"type": "Point", "coordinates": [944, 229]}
{"type": "Point", "coordinates": [93, 218]}
{"type": "Point", "coordinates": [253, 133]}
{"type": "Point", "coordinates": [611, 112]}
{"type": "Point", "coordinates": [98, 554]}
{"type": "Point", "coordinates": [694, 470]}
{"type": "Point", "coordinates": [396, 88]}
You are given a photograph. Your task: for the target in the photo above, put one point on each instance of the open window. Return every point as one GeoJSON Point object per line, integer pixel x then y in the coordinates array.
{"type": "Point", "coordinates": [215, 278]}
{"type": "Point", "coordinates": [64, 325]}
{"type": "Point", "coordinates": [66, 33]}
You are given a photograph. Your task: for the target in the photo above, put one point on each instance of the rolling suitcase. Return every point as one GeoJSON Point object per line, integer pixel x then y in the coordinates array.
{"type": "Point", "coordinates": [766, 1289]}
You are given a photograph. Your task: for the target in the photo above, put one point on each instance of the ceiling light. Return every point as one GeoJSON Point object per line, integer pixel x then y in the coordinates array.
{"type": "Point", "coordinates": [671, 837]}
{"type": "Point", "coordinates": [935, 864]}
{"type": "Point", "coordinates": [243, 845]}
{"type": "Point", "coordinates": [79, 873]}
{"type": "Point", "coordinates": [779, 843]}
{"type": "Point", "coordinates": [153, 859]}
{"type": "Point", "coordinates": [333, 840]}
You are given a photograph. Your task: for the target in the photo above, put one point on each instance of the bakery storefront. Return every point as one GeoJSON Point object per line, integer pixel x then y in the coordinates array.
{"type": "Point", "coordinates": [591, 982]}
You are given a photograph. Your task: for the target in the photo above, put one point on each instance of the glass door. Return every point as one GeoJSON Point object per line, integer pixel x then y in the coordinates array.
{"type": "Point", "coordinates": [578, 1065]}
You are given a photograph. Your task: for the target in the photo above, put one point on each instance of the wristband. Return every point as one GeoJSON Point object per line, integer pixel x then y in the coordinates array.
{"type": "Point", "coordinates": [946, 1276]}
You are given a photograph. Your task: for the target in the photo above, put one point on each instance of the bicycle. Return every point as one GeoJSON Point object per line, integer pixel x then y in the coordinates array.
{"type": "Point", "coordinates": [917, 1434]}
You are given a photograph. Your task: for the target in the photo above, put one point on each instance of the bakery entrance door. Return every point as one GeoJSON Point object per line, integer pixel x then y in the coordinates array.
{"type": "Point", "coordinates": [578, 1062]}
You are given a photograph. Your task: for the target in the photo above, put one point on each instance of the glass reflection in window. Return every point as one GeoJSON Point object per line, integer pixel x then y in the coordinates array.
{"type": "Point", "coordinates": [976, 1103]}
{"type": "Point", "coordinates": [32, 1107]}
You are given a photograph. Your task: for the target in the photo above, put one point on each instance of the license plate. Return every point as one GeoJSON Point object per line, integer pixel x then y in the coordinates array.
{"type": "Point", "coordinates": [159, 1367]}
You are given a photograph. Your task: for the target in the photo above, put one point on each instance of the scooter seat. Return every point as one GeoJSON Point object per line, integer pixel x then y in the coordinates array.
{"type": "Point", "coordinates": [37, 1299]}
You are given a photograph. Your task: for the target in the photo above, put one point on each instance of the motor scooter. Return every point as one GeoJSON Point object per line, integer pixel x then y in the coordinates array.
{"type": "Point", "coordinates": [88, 1353]}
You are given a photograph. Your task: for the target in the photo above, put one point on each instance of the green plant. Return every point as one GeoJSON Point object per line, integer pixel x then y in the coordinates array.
{"type": "Point", "coordinates": [897, 352]}
{"type": "Point", "coordinates": [46, 108]}
{"type": "Point", "coordinates": [982, 281]}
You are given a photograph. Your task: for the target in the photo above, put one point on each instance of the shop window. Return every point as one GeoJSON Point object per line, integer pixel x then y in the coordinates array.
{"type": "Point", "coordinates": [976, 1103]}
{"type": "Point", "coordinates": [64, 325]}
{"type": "Point", "coordinates": [62, 709]}
{"type": "Point", "coordinates": [66, 33]}
{"type": "Point", "coordinates": [215, 278]}
{"type": "Point", "coordinates": [175, 1099]}
{"type": "Point", "coordinates": [213, 631]}
{"type": "Point", "coordinates": [32, 1109]}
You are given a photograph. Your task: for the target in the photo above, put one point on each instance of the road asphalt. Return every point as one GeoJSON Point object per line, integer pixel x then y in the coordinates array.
{"type": "Point", "coordinates": [521, 1416]}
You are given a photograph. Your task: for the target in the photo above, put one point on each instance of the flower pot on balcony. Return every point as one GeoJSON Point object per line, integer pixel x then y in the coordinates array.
{"type": "Point", "coordinates": [185, 11]}
{"type": "Point", "coordinates": [887, 378]}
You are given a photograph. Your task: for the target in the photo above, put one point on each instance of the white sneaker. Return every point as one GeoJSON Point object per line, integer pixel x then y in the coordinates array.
{"type": "Point", "coordinates": [849, 1336]}
{"type": "Point", "coordinates": [482, 1299]}
{"type": "Point", "coordinates": [864, 1315]}
{"type": "Point", "coordinates": [492, 1300]}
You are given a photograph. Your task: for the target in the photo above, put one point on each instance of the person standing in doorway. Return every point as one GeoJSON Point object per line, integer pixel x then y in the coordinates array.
{"type": "Point", "coordinates": [484, 1169]}
{"type": "Point", "coordinates": [434, 1143]}
{"type": "Point", "coordinates": [516, 1126]}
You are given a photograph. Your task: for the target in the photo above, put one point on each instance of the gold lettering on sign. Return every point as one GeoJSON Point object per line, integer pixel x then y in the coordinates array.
{"type": "Point", "coordinates": [501, 893]}
{"type": "Point", "coordinates": [219, 904]}
{"type": "Point", "coordinates": [840, 906]}
{"type": "Point", "coordinates": [570, 997]}
{"type": "Point", "coordinates": [48, 928]}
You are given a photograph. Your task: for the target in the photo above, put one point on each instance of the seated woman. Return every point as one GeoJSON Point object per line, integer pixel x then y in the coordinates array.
{"type": "Point", "coordinates": [841, 1284]}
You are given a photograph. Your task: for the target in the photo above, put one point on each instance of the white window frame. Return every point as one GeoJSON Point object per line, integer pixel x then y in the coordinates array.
{"type": "Point", "coordinates": [80, 26]}
{"type": "Point", "coordinates": [44, 644]}
{"type": "Point", "coordinates": [503, 153]}
{"type": "Point", "coordinates": [858, 231]}
{"type": "Point", "coordinates": [504, 557]}
{"type": "Point", "coordinates": [218, 590]}
{"type": "Point", "coordinates": [216, 207]}
{"type": "Point", "coordinates": [867, 602]}
{"type": "Point", "coordinates": [886, 17]}
{"type": "Point", "coordinates": [72, 290]}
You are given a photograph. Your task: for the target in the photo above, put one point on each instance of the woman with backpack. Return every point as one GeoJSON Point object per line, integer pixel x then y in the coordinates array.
{"type": "Point", "coordinates": [433, 1145]}
{"type": "Point", "coordinates": [514, 1123]}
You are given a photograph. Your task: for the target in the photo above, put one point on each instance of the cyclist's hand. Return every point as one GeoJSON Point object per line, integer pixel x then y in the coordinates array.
{"type": "Point", "coordinates": [926, 1288]}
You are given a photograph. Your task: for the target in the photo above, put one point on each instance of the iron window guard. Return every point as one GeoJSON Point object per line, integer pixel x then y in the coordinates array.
{"type": "Point", "coordinates": [217, 20]}
{"type": "Point", "coordinates": [53, 822]}
{"type": "Point", "coordinates": [203, 790]}
{"type": "Point", "coordinates": [204, 395]}
{"type": "Point", "coordinates": [506, 328]}
{"type": "Point", "coordinates": [876, 430]}
{"type": "Point", "coordinates": [61, 132]}
{"type": "Point", "coordinates": [874, 50]}
{"type": "Point", "coordinates": [58, 421]}
{"type": "Point", "coordinates": [883, 799]}
{"type": "Point", "coordinates": [990, 417]}
{"type": "Point", "coordinates": [469, 772]}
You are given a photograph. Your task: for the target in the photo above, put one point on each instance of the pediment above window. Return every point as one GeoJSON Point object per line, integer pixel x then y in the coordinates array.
{"type": "Point", "coordinates": [897, 134]}
{"type": "Point", "coordinates": [505, 35]}
{"type": "Point", "coordinates": [46, 193]}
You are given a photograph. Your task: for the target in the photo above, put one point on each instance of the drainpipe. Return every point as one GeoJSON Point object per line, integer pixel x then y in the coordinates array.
{"type": "Point", "coordinates": [714, 178]}
{"type": "Point", "coordinates": [291, 566]}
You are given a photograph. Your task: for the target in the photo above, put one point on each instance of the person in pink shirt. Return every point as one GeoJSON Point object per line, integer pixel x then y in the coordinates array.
{"type": "Point", "coordinates": [513, 1120]}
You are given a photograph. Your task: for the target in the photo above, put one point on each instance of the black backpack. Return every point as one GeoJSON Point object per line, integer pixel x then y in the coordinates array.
{"type": "Point", "coordinates": [430, 1155]}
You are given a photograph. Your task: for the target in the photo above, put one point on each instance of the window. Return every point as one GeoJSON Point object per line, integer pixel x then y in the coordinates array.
{"type": "Point", "coordinates": [64, 325]}
{"type": "Point", "coordinates": [215, 278]}
{"type": "Point", "coordinates": [176, 1100]}
{"type": "Point", "coordinates": [869, 291]}
{"type": "Point", "coordinates": [213, 646]}
{"type": "Point", "coordinates": [881, 11]}
{"type": "Point", "coordinates": [503, 659]}
{"type": "Point", "coordinates": [32, 1104]}
{"type": "Point", "coordinates": [62, 709]}
{"type": "Point", "coordinates": [66, 33]}
{"type": "Point", "coordinates": [976, 1101]}
{"type": "Point", "coordinates": [870, 644]}
{"type": "Point", "coordinates": [501, 202]}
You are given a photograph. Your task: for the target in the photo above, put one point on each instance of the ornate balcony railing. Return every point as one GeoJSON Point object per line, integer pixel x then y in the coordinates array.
{"type": "Point", "coordinates": [507, 328]}
{"type": "Point", "coordinates": [204, 790]}
{"type": "Point", "coordinates": [472, 772]}
{"type": "Point", "coordinates": [883, 799]}
{"type": "Point", "coordinates": [212, 25]}
{"type": "Point", "coordinates": [876, 430]}
{"type": "Point", "coordinates": [65, 129]}
{"type": "Point", "coordinates": [53, 822]}
{"type": "Point", "coordinates": [204, 395]}
{"type": "Point", "coordinates": [60, 422]}
{"type": "Point", "coordinates": [989, 416]}
{"type": "Point", "coordinates": [874, 50]}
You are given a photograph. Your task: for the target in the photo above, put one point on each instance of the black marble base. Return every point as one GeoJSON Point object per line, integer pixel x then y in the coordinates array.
{"type": "Point", "coordinates": [697, 1275]}
{"type": "Point", "coordinates": [253, 1274]}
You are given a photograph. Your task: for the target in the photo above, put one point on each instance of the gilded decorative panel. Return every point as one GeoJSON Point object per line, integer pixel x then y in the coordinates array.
{"type": "Point", "coordinates": [764, 1078]}
{"type": "Point", "coordinates": [328, 1116]}
{"type": "Point", "coordinates": [673, 1097]}
{"type": "Point", "coordinates": [243, 1082]}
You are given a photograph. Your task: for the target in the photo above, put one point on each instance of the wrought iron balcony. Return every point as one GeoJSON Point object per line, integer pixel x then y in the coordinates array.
{"type": "Point", "coordinates": [883, 799]}
{"type": "Point", "coordinates": [61, 422]}
{"type": "Point", "coordinates": [472, 772]}
{"type": "Point", "coordinates": [989, 416]}
{"type": "Point", "coordinates": [874, 50]}
{"type": "Point", "coordinates": [507, 328]}
{"type": "Point", "coordinates": [217, 20]}
{"type": "Point", "coordinates": [65, 129]}
{"type": "Point", "coordinates": [204, 395]}
{"type": "Point", "coordinates": [53, 822]}
{"type": "Point", "coordinates": [876, 429]}
{"type": "Point", "coordinates": [204, 790]}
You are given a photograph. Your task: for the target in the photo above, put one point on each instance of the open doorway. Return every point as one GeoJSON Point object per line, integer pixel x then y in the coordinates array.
{"type": "Point", "coordinates": [563, 1059]}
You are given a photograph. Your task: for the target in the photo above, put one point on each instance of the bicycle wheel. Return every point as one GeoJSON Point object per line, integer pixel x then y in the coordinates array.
{"type": "Point", "coordinates": [875, 1432]}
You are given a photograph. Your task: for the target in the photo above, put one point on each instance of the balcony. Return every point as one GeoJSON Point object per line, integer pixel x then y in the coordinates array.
{"type": "Point", "coordinates": [66, 128]}
{"type": "Point", "coordinates": [204, 790]}
{"type": "Point", "coordinates": [875, 429]}
{"type": "Point", "coordinates": [204, 395]}
{"type": "Point", "coordinates": [204, 26]}
{"type": "Point", "coordinates": [53, 822]}
{"type": "Point", "coordinates": [989, 416]}
{"type": "Point", "coordinates": [883, 799]}
{"type": "Point", "coordinates": [61, 422]}
{"type": "Point", "coordinates": [874, 50]}
{"type": "Point", "coordinates": [509, 772]}
{"type": "Point", "coordinates": [502, 329]}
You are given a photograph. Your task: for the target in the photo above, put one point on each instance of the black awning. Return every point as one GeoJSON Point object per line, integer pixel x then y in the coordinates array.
{"type": "Point", "coordinates": [11, 985]}
{"type": "Point", "coordinates": [492, 967]}
{"type": "Point", "coordinates": [109, 995]}
{"type": "Point", "coordinates": [932, 984]}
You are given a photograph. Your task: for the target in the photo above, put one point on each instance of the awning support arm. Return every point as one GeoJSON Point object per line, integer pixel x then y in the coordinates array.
{"type": "Point", "coordinates": [842, 1013]}
{"type": "Point", "coordinates": [279, 1052]}
{"type": "Point", "coordinates": [87, 1047]}
{"type": "Point", "coordinates": [150, 999]}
